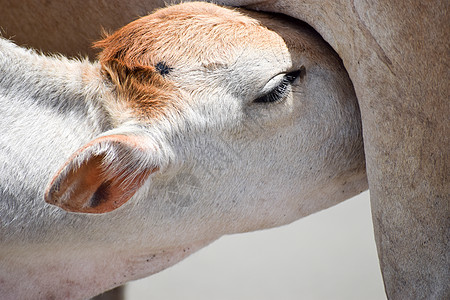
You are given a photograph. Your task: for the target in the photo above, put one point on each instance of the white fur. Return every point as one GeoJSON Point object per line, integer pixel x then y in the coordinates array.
{"type": "Point", "coordinates": [226, 165]}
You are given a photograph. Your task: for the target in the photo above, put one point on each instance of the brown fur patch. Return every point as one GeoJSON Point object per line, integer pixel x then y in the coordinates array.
{"type": "Point", "coordinates": [190, 34]}
{"type": "Point", "coordinates": [143, 89]}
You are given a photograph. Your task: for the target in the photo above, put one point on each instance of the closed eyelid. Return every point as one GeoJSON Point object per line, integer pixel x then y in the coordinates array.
{"type": "Point", "coordinates": [275, 94]}
{"type": "Point", "coordinates": [279, 91]}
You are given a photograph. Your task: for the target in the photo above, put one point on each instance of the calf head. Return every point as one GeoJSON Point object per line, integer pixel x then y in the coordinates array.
{"type": "Point", "coordinates": [230, 119]}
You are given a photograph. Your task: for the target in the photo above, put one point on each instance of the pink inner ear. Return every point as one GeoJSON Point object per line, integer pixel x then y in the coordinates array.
{"type": "Point", "coordinates": [93, 189]}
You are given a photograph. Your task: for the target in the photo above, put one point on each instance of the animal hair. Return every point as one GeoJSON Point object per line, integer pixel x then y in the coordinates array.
{"type": "Point", "coordinates": [133, 56]}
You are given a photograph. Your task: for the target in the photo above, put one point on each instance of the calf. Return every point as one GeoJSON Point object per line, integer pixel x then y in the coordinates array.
{"type": "Point", "coordinates": [197, 121]}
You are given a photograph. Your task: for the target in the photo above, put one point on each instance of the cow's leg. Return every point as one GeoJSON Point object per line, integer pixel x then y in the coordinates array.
{"type": "Point", "coordinates": [406, 131]}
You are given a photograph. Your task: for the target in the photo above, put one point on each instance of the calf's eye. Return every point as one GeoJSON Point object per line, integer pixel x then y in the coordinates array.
{"type": "Point", "coordinates": [279, 92]}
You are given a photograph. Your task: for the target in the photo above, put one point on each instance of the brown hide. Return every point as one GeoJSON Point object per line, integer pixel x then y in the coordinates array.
{"type": "Point", "coordinates": [69, 27]}
{"type": "Point", "coordinates": [396, 53]}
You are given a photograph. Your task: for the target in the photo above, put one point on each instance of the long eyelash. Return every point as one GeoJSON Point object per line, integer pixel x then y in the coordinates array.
{"type": "Point", "coordinates": [276, 94]}
{"type": "Point", "coordinates": [279, 92]}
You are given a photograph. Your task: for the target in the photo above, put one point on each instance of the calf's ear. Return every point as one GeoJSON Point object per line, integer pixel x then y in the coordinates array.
{"type": "Point", "coordinates": [103, 174]}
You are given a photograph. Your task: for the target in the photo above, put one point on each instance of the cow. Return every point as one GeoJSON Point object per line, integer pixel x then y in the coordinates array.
{"type": "Point", "coordinates": [196, 121]}
{"type": "Point", "coordinates": [396, 55]}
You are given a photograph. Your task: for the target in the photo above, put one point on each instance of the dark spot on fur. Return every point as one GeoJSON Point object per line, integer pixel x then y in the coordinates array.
{"type": "Point", "coordinates": [163, 69]}
{"type": "Point", "coordinates": [101, 194]}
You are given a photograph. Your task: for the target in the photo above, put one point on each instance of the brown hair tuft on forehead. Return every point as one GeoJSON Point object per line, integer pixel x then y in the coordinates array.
{"type": "Point", "coordinates": [140, 56]}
